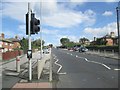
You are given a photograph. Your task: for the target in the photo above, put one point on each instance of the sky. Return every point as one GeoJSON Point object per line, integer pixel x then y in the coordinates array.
{"type": "Point", "coordinates": [73, 19]}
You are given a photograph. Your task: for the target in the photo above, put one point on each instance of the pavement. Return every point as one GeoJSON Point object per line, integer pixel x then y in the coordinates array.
{"type": "Point", "coordinates": [12, 79]}
{"type": "Point", "coordinates": [32, 85]}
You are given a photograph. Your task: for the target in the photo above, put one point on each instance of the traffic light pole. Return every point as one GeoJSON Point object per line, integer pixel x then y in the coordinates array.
{"type": "Point", "coordinates": [29, 36]}
{"type": "Point", "coordinates": [41, 30]}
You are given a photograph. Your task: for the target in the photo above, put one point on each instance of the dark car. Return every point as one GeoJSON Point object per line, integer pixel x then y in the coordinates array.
{"type": "Point", "coordinates": [83, 49]}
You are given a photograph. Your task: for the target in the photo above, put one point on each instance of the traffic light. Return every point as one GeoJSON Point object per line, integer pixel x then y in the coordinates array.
{"type": "Point", "coordinates": [27, 17]}
{"type": "Point", "coordinates": [34, 24]}
{"type": "Point", "coordinates": [34, 28]}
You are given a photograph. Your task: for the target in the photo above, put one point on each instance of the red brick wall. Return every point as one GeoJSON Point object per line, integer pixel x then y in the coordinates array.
{"type": "Point", "coordinates": [11, 55]}
{"type": "Point", "coordinates": [110, 42]}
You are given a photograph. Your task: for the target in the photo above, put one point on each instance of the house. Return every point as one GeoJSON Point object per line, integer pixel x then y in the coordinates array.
{"type": "Point", "coordinates": [15, 42]}
{"type": "Point", "coordinates": [109, 39]}
{"type": "Point", "coordinates": [5, 44]}
{"type": "Point", "coordinates": [8, 44]}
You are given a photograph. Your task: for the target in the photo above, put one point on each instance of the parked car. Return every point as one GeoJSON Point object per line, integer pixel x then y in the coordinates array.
{"type": "Point", "coordinates": [83, 49]}
{"type": "Point", "coordinates": [70, 49]}
{"type": "Point", "coordinates": [76, 48]}
{"type": "Point", "coordinates": [46, 51]}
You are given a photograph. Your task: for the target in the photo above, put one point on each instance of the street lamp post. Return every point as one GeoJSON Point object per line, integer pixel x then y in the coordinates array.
{"type": "Point", "coordinates": [118, 25]}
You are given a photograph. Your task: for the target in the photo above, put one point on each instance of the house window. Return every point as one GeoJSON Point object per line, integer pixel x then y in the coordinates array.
{"type": "Point", "coordinates": [6, 43]}
{"type": "Point", "coordinates": [10, 44]}
{"type": "Point", "coordinates": [10, 49]}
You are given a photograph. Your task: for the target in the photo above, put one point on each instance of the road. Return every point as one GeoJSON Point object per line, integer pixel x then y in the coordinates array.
{"type": "Point", "coordinates": [81, 70]}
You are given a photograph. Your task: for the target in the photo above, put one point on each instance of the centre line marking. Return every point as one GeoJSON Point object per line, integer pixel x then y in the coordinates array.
{"type": "Point", "coordinates": [116, 69]}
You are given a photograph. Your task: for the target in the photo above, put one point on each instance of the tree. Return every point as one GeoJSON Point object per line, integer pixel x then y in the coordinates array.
{"type": "Point", "coordinates": [83, 40]}
{"type": "Point", "coordinates": [64, 41]}
{"type": "Point", "coordinates": [100, 41]}
{"type": "Point", "coordinates": [24, 44]}
{"type": "Point", "coordinates": [70, 44]}
{"type": "Point", "coordinates": [37, 43]}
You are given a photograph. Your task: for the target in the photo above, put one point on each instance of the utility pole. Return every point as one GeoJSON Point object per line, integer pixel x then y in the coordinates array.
{"type": "Point", "coordinates": [118, 27]}
{"type": "Point", "coordinates": [41, 29]}
{"type": "Point", "coordinates": [29, 36]}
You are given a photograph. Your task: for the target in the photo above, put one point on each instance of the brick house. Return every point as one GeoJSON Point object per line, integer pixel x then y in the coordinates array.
{"type": "Point", "coordinates": [15, 42]}
{"type": "Point", "coordinates": [5, 44]}
{"type": "Point", "coordinates": [110, 39]}
{"type": "Point", "coordinates": [8, 44]}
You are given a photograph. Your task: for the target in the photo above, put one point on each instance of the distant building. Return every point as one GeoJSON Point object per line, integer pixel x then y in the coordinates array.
{"type": "Point", "coordinates": [15, 42]}
{"type": "Point", "coordinates": [8, 44]}
{"type": "Point", "coordinates": [110, 39]}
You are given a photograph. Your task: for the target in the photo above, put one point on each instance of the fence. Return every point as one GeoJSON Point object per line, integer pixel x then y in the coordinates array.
{"type": "Point", "coordinates": [109, 53]}
{"type": "Point", "coordinates": [11, 54]}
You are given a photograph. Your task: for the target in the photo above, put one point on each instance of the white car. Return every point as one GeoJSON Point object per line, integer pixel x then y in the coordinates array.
{"type": "Point", "coordinates": [46, 51]}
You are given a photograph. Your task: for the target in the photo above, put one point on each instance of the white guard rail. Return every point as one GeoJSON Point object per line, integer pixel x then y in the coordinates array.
{"type": "Point", "coordinates": [41, 64]}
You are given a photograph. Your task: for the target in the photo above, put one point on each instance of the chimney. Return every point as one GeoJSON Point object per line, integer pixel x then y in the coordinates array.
{"type": "Point", "coordinates": [112, 34]}
{"type": "Point", "coordinates": [94, 38]}
{"type": "Point", "coordinates": [16, 37]}
{"type": "Point", "coordinates": [2, 35]}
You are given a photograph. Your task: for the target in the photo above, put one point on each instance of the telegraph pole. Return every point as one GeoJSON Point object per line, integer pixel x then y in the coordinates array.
{"type": "Point", "coordinates": [29, 36]}
{"type": "Point", "coordinates": [41, 29]}
{"type": "Point", "coordinates": [118, 27]}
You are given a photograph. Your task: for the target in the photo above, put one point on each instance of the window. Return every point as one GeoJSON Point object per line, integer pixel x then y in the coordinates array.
{"type": "Point", "coordinates": [6, 43]}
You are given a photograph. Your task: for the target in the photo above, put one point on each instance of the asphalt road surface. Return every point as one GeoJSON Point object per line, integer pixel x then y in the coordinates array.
{"type": "Point", "coordinates": [81, 70]}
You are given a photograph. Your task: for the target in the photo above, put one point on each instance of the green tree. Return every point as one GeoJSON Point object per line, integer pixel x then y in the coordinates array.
{"type": "Point", "coordinates": [100, 41]}
{"type": "Point", "coordinates": [70, 44]}
{"type": "Point", "coordinates": [24, 44]}
{"type": "Point", "coordinates": [83, 40]}
{"type": "Point", "coordinates": [37, 43]}
{"type": "Point", "coordinates": [64, 41]}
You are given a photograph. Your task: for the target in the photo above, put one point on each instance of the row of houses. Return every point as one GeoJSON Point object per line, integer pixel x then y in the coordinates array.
{"type": "Point", "coordinates": [109, 39]}
{"type": "Point", "coordinates": [8, 44]}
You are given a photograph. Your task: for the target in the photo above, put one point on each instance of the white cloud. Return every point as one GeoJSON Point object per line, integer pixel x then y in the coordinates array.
{"type": "Point", "coordinates": [22, 28]}
{"type": "Point", "coordinates": [52, 15]}
{"type": "Point", "coordinates": [8, 33]}
{"type": "Point", "coordinates": [101, 31]}
{"type": "Point", "coordinates": [66, 19]}
{"type": "Point", "coordinates": [50, 32]}
{"type": "Point", "coordinates": [15, 11]}
{"type": "Point", "coordinates": [73, 38]}
{"type": "Point", "coordinates": [107, 13]}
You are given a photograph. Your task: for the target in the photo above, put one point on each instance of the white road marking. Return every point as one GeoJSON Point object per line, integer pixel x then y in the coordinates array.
{"type": "Point", "coordinates": [116, 69]}
{"type": "Point", "coordinates": [86, 60]}
{"type": "Point", "coordinates": [106, 66]}
{"type": "Point", "coordinates": [93, 62]}
{"type": "Point", "coordinates": [96, 62]}
{"type": "Point", "coordinates": [60, 67]}
{"type": "Point", "coordinates": [63, 73]}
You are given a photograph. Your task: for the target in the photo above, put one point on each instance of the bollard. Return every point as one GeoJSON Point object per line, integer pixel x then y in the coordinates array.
{"type": "Point", "coordinates": [113, 52]}
{"type": "Point", "coordinates": [104, 52]}
{"type": "Point", "coordinates": [18, 64]}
